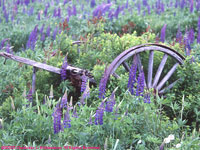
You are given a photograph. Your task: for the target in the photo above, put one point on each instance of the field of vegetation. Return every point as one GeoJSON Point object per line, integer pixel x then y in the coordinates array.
{"type": "Point", "coordinates": [114, 113]}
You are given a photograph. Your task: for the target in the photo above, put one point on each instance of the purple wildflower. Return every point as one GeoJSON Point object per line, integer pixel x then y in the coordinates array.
{"type": "Point", "coordinates": [42, 29]}
{"type": "Point", "coordinates": [110, 104]}
{"type": "Point", "coordinates": [46, 10]}
{"type": "Point", "coordinates": [179, 36]}
{"type": "Point", "coordinates": [191, 36]}
{"type": "Point", "coordinates": [67, 121]}
{"type": "Point", "coordinates": [26, 2]}
{"type": "Point", "coordinates": [187, 46]}
{"type": "Point", "coordinates": [126, 4]}
{"type": "Point", "coordinates": [140, 84]}
{"type": "Point", "coordinates": [8, 48]}
{"type": "Point", "coordinates": [149, 9]}
{"type": "Point", "coordinates": [198, 5]}
{"type": "Point", "coordinates": [48, 30]}
{"type": "Point", "coordinates": [117, 12]}
{"type": "Point", "coordinates": [32, 39]}
{"type": "Point", "coordinates": [57, 120]}
{"type": "Point", "coordinates": [3, 43]}
{"type": "Point", "coordinates": [65, 2]}
{"type": "Point", "coordinates": [63, 71]}
{"type": "Point", "coordinates": [42, 37]}
{"type": "Point", "coordinates": [6, 15]}
{"type": "Point", "coordinates": [102, 85]}
{"type": "Point", "coordinates": [74, 10]}
{"type": "Point", "coordinates": [198, 36]}
{"type": "Point", "coordinates": [138, 8]}
{"type": "Point", "coordinates": [63, 103]}
{"type": "Point", "coordinates": [162, 36]}
{"type": "Point", "coordinates": [38, 17]}
{"type": "Point", "coordinates": [147, 98]}
{"type": "Point", "coordinates": [85, 95]}
{"type": "Point", "coordinates": [99, 114]}
{"type": "Point", "coordinates": [90, 120]}
{"type": "Point", "coordinates": [132, 76]}
{"type": "Point", "coordinates": [55, 33]}
{"type": "Point", "coordinates": [55, 13]}
{"type": "Point", "coordinates": [75, 115]}
{"type": "Point", "coordinates": [31, 11]}
{"type": "Point", "coordinates": [59, 12]}
{"type": "Point", "coordinates": [84, 82]}
{"type": "Point", "coordinates": [145, 3]}
{"type": "Point", "coordinates": [191, 6]}
{"type": "Point", "coordinates": [92, 3]}
{"type": "Point", "coordinates": [182, 5]}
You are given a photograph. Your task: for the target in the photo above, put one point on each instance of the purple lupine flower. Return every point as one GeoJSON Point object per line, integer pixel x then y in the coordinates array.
{"type": "Point", "coordinates": [38, 17]}
{"type": "Point", "coordinates": [116, 112]}
{"type": "Point", "coordinates": [65, 2]}
{"type": "Point", "coordinates": [162, 36]}
{"type": "Point", "coordinates": [59, 12]}
{"type": "Point", "coordinates": [182, 4]}
{"type": "Point", "coordinates": [198, 5]}
{"type": "Point", "coordinates": [63, 70]}
{"type": "Point", "coordinates": [198, 36]}
{"type": "Point", "coordinates": [108, 1]}
{"type": "Point", "coordinates": [99, 114]}
{"type": "Point", "coordinates": [74, 10]}
{"type": "Point", "coordinates": [32, 39]}
{"type": "Point", "coordinates": [67, 121]}
{"type": "Point", "coordinates": [111, 102]}
{"type": "Point", "coordinates": [63, 103]}
{"type": "Point", "coordinates": [162, 7]}
{"type": "Point", "coordinates": [90, 120]}
{"type": "Point", "coordinates": [179, 36]}
{"type": "Point", "coordinates": [147, 98]}
{"type": "Point", "coordinates": [55, 33]}
{"type": "Point", "coordinates": [86, 94]}
{"type": "Point", "coordinates": [191, 36]}
{"type": "Point", "coordinates": [42, 37]}
{"type": "Point", "coordinates": [84, 82]}
{"type": "Point", "coordinates": [75, 115]}
{"type": "Point", "coordinates": [191, 6]}
{"type": "Point", "coordinates": [57, 120]}
{"type": "Point", "coordinates": [126, 6]}
{"type": "Point", "coordinates": [145, 3]}
{"type": "Point", "coordinates": [8, 48]}
{"type": "Point", "coordinates": [26, 2]}
{"type": "Point", "coordinates": [149, 9]}
{"type": "Point", "coordinates": [187, 44]}
{"type": "Point", "coordinates": [46, 10]}
{"type": "Point", "coordinates": [92, 3]}
{"type": "Point", "coordinates": [31, 11]}
{"type": "Point", "coordinates": [42, 29]}
{"type": "Point", "coordinates": [3, 43]}
{"type": "Point", "coordinates": [55, 13]}
{"type": "Point", "coordinates": [138, 8]}
{"type": "Point", "coordinates": [6, 15]}
{"type": "Point", "coordinates": [132, 76]}
{"type": "Point", "coordinates": [69, 11]}
{"type": "Point", "coordinates": [48, 31]}
{"type": "Point", "coordinates": [117, 12]}
{"type": "Point", "coordinates": [102, 85]}
{"type": "Point", "coordinates": [140, 84]}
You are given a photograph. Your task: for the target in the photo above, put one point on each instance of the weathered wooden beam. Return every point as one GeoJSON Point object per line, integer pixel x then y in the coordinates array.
{"type": "Point", "coordinates": [33, 79]}
{"type": "Point", "coordinates": [150, 69]}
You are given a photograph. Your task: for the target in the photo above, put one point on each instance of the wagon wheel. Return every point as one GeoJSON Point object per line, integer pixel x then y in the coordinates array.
{"type": "Point", "coordinates": [156, 79]}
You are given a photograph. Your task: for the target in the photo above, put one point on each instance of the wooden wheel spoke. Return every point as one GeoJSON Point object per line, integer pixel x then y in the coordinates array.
{"type": "Point", "coordinates": [160, 69]}
{"type": "Point", "coordinates": [126, 66]}
{"type": "Point", "coordinates": [116, 75]}
{"type": "Point", "coordinates": [150, 68]}
{"type": "Point", "coordinates": [168, 87]}
{"type": "Point", "coordinates": [140, 67]}
{"type": "Point", "coordinates": [167, 76]}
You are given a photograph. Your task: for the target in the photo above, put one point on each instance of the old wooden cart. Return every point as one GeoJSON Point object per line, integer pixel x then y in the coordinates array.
{"type": "Point", "coordinates": [155, 82]}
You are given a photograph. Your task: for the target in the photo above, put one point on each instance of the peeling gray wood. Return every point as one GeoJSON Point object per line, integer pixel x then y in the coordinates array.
{"type": "Point", "coordinates": [150, 69]}
{"type": "Point", "coordinates": [126, 66]}
{"type": "Point", "coordinates": [160, 69]}
{"type": "Point", "coordinates": [169, 87]}
{"type": "Point", "coordinates": [167, 76]}
{"type": "Point", "coordinates": [33, 80]}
